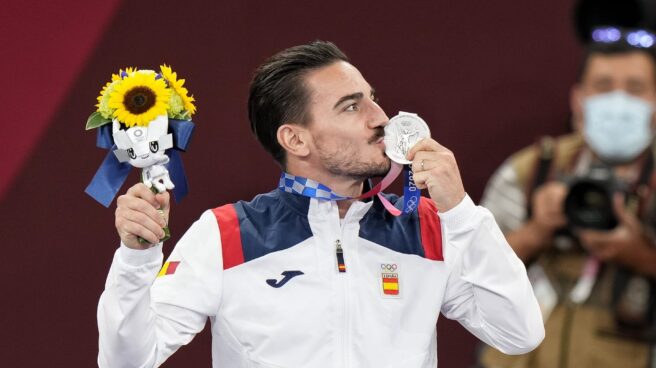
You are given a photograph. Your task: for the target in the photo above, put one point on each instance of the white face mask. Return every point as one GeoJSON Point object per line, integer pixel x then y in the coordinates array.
{"type": "Point", "coordinates": [617, 126]}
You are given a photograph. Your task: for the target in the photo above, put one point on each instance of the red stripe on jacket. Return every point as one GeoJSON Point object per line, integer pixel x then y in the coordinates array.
{"type": "Point", "coordinates": [431, 230]}
{"type": "Point", "coordinates": [233, 253]}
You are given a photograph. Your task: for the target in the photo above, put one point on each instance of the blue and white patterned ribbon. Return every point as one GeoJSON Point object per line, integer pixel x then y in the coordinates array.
{"type": "Point", "coordinates": [310, 188]}
{"type": "Point", "coordinates": [307, 187]}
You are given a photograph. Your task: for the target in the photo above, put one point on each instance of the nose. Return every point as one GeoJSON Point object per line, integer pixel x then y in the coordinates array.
{"type": "Point", "coordinates": [378, 117]}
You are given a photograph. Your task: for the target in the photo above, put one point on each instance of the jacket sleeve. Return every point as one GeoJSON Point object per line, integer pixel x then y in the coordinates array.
{"type": "Point", "coordinates": [488, 290]}
{"type": "Point", "coordinates": [144, 317]}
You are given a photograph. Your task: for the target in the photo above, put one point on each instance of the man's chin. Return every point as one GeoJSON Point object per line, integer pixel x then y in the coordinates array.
{"type": "Point", "coordinates": [382, 169]}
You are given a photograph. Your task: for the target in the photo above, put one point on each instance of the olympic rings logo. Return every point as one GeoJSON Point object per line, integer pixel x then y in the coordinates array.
{"type": "Point", "coordinates": [388, 267]}
{"type": "Point", "coordinates": [411, 204]}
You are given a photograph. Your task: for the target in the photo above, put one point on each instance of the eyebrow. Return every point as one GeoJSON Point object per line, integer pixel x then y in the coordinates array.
{"type": "Point", "coordinates": [352, 96]}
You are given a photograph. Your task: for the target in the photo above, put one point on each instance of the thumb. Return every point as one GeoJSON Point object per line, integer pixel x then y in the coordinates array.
{"type": "Point", "coordinates": [164, 200]}
{"type": "Point", "coordinates": [623, 215]}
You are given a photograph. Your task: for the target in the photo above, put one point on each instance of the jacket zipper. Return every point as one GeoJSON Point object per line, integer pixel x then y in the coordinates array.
{"type": "Point", "coordinates": [339, 252]}
{"type": "Point", "coordinates": [343, 286]}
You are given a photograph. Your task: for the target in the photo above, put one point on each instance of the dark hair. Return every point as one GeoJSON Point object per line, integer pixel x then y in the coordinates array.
{"type": "Point", "coordinates": [278, 94]}
{"type": "Point", "coordinates": [611, 49]}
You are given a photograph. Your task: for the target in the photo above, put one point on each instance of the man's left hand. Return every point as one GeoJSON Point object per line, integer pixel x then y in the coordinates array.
{"type": "Point", "coordinates": [435, 168]}
{"type": "Point", "coordinates": [623, 244]}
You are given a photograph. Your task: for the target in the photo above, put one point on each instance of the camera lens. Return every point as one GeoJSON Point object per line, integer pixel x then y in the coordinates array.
{"type": "Point", "coordinates": [589, 204]}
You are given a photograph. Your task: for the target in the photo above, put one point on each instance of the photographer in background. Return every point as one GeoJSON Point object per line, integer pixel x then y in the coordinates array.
{"type": "Point", "coordinates": [595, 284]}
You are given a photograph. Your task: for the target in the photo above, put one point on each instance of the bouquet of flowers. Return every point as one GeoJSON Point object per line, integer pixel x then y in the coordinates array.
{"type": "Point", "coordinates": [144, 118]}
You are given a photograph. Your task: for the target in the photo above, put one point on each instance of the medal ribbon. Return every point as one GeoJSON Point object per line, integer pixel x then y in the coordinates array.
{"type": "Point", "coordinates": [309, 188]}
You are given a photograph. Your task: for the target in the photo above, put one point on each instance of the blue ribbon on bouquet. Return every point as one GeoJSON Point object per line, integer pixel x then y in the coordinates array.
{"type": "Point", "coordinates": [112, 174]}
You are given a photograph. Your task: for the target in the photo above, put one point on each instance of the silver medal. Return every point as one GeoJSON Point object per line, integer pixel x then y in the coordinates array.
{"type": "Point", "coordinates": [401, 133]}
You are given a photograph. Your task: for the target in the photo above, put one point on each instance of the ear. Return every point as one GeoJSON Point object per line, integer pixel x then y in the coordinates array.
{"type": "Point", "coordinates": [158, 127]}
{"type": "Point", "coordinates": [122, 139]}
{"type": "Point", "coordinates": [576, 98]}
{"type": "Point", "coordinates": [294, 139]}
{"type": "Point", "coordinates": [121, 155]}
{"type": "Point", "coordinates": [165, 142]}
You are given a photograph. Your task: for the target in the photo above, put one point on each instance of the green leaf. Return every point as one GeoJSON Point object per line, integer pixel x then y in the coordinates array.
{"type": "Point", "coordinates": [96, 120]}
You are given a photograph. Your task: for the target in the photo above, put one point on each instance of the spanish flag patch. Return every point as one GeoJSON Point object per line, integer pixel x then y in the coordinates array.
{"type": "Point", "coordinates": [390, 279]}
{"type": "Point", "coordinates": [168, 268]}
{"type": "Point", "coordinates": [391, 285]}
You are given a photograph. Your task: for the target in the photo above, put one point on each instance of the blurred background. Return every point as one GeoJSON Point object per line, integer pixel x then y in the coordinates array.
{"type": "Point", "coordinates": [488, 78]}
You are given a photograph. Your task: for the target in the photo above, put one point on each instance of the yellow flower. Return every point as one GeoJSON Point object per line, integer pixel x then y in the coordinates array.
{"type": "Point", "coordinates": [139, 98]}
{"type": "Point", "coordinates": [103, 98]}
{"type": "Point", "coordinates": [177, 85]}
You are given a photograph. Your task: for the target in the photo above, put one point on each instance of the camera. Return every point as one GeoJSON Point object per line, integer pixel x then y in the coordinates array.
{"type": "Point", "coordinates": [589, 201]}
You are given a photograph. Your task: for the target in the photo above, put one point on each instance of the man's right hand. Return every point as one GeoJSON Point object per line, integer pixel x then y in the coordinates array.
{"type": "Point", "coordinates": [141, 213]}
{"type": "Point", "coordinates": [547, 217]}
{"type": "Point", "coordinates": [547, 207]}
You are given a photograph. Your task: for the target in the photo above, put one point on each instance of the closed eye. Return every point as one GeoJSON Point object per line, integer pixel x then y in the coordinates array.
{"type": "Point", "coordinates": [373, 96]}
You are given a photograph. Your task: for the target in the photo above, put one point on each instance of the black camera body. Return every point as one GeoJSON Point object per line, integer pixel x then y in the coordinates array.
{"type": "Point", "coordinates": [589, 202]}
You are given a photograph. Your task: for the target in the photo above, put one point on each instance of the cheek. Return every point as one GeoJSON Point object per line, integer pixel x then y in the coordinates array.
{"type": "Point", "coordinates": [343, 142]}
{"type": "Point", "coordinates": [348, 146]}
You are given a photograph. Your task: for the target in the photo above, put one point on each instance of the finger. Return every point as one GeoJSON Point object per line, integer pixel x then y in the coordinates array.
{"type": "Point", "coordinates": [558, 191]}
{"type": "Point", "coordinates": [426, 144]}
{"type": "Point", "coordinates": [600, 249]}
{"type": "Point", "coordinates": [126, 227]}
{"type": "Point", "coordinates": [424, 161]}
{"type": "Point", "coordinates": [164, 200]}
{"type": "Point", "coordinates": [418, 165]}
{"type": "Point", "coordinates": [434, 159]}
{"type": "Point", "coordinates": [625, 216]}
{"type": "Point", "coordinates": [140, 205]}
{"type": "Point", "coordinates": [140, 190]}
{"type": "Point", "coordinates": [154, 226]}
{"type": "Point", "coordinates": [618, 205]}
{"type": "Point", "coordinates": [420, 179]}
{"type": "Point", "coordinates": [593, 239]}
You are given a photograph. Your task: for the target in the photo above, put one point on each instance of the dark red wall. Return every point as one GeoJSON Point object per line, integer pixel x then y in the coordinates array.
{"type": "Point", "coordinates": [488, 77]}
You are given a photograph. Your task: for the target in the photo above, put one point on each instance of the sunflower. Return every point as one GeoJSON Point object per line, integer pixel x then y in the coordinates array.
{"type": "Point", "coordinates": [177, 85]}
{"type": "Point", "coordinates": [103, 98]}
{"type": "Point", "coordinates": [139, 98]}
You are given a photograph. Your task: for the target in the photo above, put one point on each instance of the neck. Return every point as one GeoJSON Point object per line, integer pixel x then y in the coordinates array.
{"type": "Point", "coordinates": [342, 185]}
{"type": "Point", "coordinates": [344, 206]}
{"type": "Point", "coordinates": [347, 187]}
{"type": "Point", "coordinates": [631, 170]}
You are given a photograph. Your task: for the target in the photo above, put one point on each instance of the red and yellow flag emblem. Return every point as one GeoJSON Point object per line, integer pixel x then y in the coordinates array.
{"type": "Point", "coordinates": [389, 275]}
{"type": "Point", "coordinates": [391, 284]}
{"type": "Point", "coordinates": [168, 268]}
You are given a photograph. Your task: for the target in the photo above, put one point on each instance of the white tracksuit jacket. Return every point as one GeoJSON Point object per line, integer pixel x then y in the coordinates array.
{"type": "Point", "coordinates": [266, 274]}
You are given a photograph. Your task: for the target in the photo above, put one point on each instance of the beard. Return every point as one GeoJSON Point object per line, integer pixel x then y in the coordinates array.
{"type": "Point", "coordinates": [355, 169]}
{"type": "Point", "coordinates": [347, 160]}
